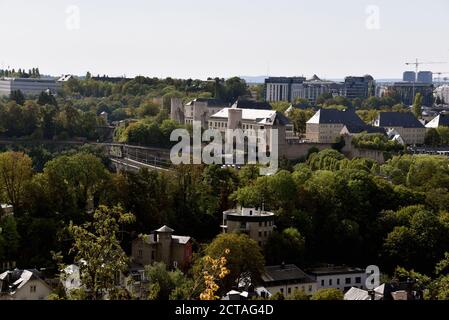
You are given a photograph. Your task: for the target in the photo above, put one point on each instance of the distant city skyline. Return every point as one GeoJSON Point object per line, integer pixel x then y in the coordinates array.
{"type": "Point", "coordinates": [200, 38]}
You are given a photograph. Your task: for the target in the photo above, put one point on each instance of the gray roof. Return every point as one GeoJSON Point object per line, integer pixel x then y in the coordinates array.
{"type": "Point", "coordinates": [165, 229]}
{"type": "Point", "coordinates": [252, 104]}
{"type": "Point", "coordinates": [328, 116]}
{"type": "Point", "coordinates": [322, 271]}
{"type": "Point", "coordinates": [366, 128]}
{"type": "Point", "coordinates": [399, 119]}
{"type": "Point", "coordinates": [181, 239]}
{"type": "Point", "coordinates": [438, 121]}
{"type": "Point", "coordinates": [211, 102]}
{"type": "Point", "coordinates": [10, 281]}
{"type": "Point", "coordinates": [284, 273]}
{"type": "Point", "coordinates": [260, 116]}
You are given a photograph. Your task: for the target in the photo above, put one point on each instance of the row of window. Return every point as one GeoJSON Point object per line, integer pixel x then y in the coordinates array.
{"type": "Point", "coordinates": [289, 289]}
{"type": "Point", "coordinates": [265, 223]}
{"type": "Point", "coordinates": [348, 280]}
{"type": "Point", "coordinates": [265, 234]}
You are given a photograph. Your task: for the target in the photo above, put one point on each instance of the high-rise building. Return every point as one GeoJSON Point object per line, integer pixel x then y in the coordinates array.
{"type": "Point", "coordinates": [280, 88]}
{"type": "Point", "coordinates": [409, 76]}
{"type": "Point", "coordinates": [311, 89]}
{"type": "Point", "coordinates": [425, 77]}
{"type": "Point", "coordinates": [358, 87]}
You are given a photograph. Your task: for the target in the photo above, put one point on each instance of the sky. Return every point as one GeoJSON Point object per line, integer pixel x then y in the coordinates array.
{"type": "Point", "coordinates": [209, 38]}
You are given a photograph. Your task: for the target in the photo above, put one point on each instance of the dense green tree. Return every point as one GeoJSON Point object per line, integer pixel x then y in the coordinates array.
{"type": "Point", "coordinates": [328, 294]}
{"type": "Point", "coordinates": [244, 258]}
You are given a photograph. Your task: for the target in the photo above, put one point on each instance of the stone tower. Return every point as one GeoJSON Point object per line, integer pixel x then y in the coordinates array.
{"type": "Point", "coordinates": [177, 110]}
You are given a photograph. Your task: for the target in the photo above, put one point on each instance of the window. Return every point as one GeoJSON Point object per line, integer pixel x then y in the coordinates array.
{"type": "Point", "coordinates": [140, 253]}
{"type": "Point", "coordinates": [322, 283]}
{"type": "Point", "coordinates": [338, 281]}
{"type": "Point", "coordinates": [289, 290]}
{"type": "Point", "coordinates": [282, 290]}
{"type": "Point", "coordinates": [259, 243]}
{"type": "Point", "coordinates": [260, 224]}
{"type": "Point", "coordinates": [347, 280]}
{"type": "Point", "coordinates": [32, 289]}
{"type": "Point", "coordinates": [358, 280]}
{"type": "Point", "coordinates": [310, 288]}
{"type": "Point", "coordinates": [330, 282]}
{"type": "Point", "coordinates": [260, 234]}
{"type": "Point", "coordinates": [152, 255]}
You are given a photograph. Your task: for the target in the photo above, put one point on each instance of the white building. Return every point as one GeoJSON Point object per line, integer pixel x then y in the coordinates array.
{"type": "Point", "coordinates": [23, 285]}
{"type": "Point", "coordinates": [28, 86]}
{"type": "Point", "coordinates": [339, 277]}
{"type": "Point", "coordinates": [287, 278]}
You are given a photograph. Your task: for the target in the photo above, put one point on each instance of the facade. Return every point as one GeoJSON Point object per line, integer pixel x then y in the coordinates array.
{"type": "Point", "coordinates": [327, 124]}
{"type": "Point", "coordinates": [409, 76]}
{"type": "Point", "coordinates": [28, 86]}
{"type": "Point", "coordinates": [253, 119]}
{"type": "Point", "coordinates": [287, 278]}
{"type": "Point", "coordinates": [162, 246]}
{"type": "Point", "coordinates": [411, 130]}
{"type": "Point", "coordinates": [442, 92]}
{"type": "Point", "coordinates": [23, 285]}
{"type": "Point", "coordinates": [196, 110]}
{"type": "Point", "coordinates": [257, 224]}
{"type": "Point", "coordinates": [313, 88]}
{"type": "Point", "coordinates": [425, 77]}
{"type": "Point", "coordinates": [281, 88]}
{"type": "Point", "coordinates": [358, 87]}
{"type": "Point", "coordinates": [406, 92]}
{"type": "Point", "coordinates": [338, 277]}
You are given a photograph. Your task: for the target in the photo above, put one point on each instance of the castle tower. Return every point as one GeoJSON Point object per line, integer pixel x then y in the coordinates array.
{"type": "Point", "coordinates": [177, 110]}
{"type": "Point", "coordinates": [164, 238]}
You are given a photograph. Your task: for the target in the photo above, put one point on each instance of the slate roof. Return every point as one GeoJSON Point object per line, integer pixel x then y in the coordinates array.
{"type": "Point", "coordinates": [251, 104]}
{"type": "Point", "coordinates": [399, 119]}
{"type": "Point", "coordinates": [329, 116]}
{"type": "Point", "coordinates": [212, 103]}
{"type": "Point", "coordinates": [284, 273]}
{"type": "Point", "coordinates": [438, 121]}
{"type": "Point", "coordinates": [366, 128]}
{"type": "Point", "coordinates": [333, 270]}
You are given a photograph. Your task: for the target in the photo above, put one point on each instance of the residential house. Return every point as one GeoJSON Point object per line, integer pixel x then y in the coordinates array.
{"type": "Point", "coordinates": [285, 279]}
{"type": "Point", "coordinates": [339, 277]}
{"type": "Point", "coordinates": [23, 285]}
{"type": "Point", "coordinates": [162, 246]}
{"type": "Point", "coordinates": [406, 124]}
{"type": "Point", "coordinates": [256, 223]}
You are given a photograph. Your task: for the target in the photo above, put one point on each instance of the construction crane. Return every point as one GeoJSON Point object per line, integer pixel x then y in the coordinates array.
{"type": "Point", "coordinates": [439, 76]}
{"type": "Point", "coordinates": [417, 64]}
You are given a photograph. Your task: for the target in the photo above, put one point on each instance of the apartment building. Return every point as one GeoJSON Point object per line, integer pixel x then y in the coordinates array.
{"type": "Point", "coordinates": [286, 278]}
{"type": "Point", "coordinates": [28, 86]}
{"type": "Point", "coordinates": [256, 223]}
{"type": "Point", "coordinates": [281, 88]}
{"type": "Point", "coordinates": [339, 277]}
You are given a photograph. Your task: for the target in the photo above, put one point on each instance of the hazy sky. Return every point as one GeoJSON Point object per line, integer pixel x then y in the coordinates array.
{"type": "Point", "coordinates": [201, 38]}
